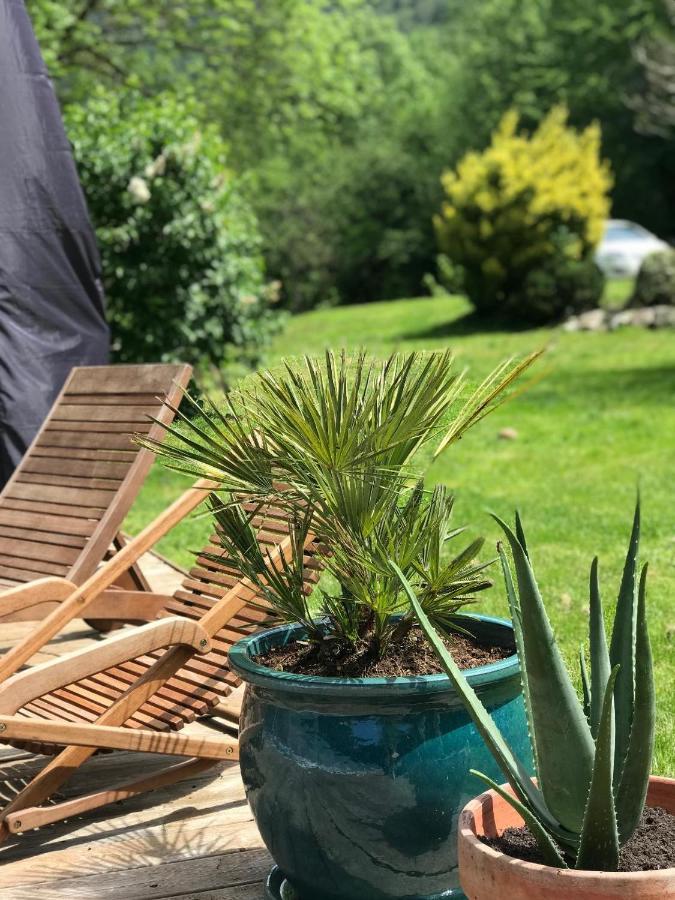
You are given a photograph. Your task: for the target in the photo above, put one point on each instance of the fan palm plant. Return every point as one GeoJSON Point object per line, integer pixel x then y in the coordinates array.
{"type": "Point", "coordinates": [333, 444]}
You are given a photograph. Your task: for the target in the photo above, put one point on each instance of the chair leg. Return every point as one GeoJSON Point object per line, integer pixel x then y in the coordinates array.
{"type": "Point", "coordinates": [38, 816]}
{"type": "Point", "coordinates": [131, 580]}
{"type": "Point", "coordinates": [229, 708]}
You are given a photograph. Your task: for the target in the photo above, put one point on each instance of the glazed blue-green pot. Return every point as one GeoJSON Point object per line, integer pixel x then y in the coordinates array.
{"type": "Point", "coordinates": [356, 784]}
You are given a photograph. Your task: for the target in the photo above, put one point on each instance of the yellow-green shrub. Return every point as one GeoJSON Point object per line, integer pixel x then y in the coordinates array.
{"type": "Point", "coordinates": [522, 204]}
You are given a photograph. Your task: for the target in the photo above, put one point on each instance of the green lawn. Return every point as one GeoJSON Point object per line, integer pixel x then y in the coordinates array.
{"type": "Point", "coordinates": [600, 421]}
{"type": "Point", "coordinates": [617, 292]}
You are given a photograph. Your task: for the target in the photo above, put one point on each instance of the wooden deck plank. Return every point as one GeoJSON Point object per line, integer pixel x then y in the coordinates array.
{"type": "Point", "coordinates": [207, 873]}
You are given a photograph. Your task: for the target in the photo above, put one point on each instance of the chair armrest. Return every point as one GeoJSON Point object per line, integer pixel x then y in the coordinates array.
{"type": "Point", "coordinates": [41, 679]}
{"type": "Point", "coordinates": [42, 590]}
{"type": "Point", "coordinates": [78, 601]}
{"type": "Point", "coordinates": [142, 740]}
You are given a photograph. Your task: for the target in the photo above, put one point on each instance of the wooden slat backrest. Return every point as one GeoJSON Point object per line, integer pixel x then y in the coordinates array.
{"type": "Point", "coordinates": [67, 500]}
{"type": "Point", "coordinates": [204, 680]}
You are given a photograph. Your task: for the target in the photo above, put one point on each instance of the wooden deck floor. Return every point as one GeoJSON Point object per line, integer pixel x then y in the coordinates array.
{"type": "Point", "coordinates": [192, 840]}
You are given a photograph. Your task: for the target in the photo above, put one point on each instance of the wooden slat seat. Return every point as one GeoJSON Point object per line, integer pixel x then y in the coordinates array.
{"type": "Point", "coordinates": [136, 690]}
{"type": "Point", "coordinates": [205, 680]}
{"type": "Point", "coordinates": [65, 503]}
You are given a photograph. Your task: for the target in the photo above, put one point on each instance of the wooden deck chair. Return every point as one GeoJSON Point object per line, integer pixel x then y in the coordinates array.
{"type": "Point", "coordinates": [64, 505]}
{"type": "Point", "coordinates": [132, 691]}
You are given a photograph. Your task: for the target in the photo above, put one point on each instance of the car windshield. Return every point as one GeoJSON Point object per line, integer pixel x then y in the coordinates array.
{"type": "Point", "coordinates": [621, 231]}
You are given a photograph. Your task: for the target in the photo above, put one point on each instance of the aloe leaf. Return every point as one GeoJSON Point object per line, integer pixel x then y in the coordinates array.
{"type": "Point", "coordinates": [599, 844]}
{"type": "Point", "coordinates": [600, 667]}
{"type": "Point", "coordinates": [551, 854]}
{"type": "Point", "coordinates": [622, 647]}
{"type": "Point", "coordinates": [516, 618]}
{"type": "Point", "coordinates": [585, 687]}
{"type": "Point", "coordinates": [520, 534]}
{"type": "Point", "coordinates": [560, 731]}
{"type": "Point", "coordinates": [513, 769]}
{"type": "Point", "coordinates": [632, 789]}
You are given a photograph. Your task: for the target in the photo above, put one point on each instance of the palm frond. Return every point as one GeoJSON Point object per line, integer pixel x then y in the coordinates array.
{"type": "Point", "coordinates": [331, 443]}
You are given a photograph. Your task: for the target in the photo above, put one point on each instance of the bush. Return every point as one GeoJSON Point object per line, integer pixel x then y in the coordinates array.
{"type": "Point", "coordinates": [526, 204]}
{"type": "Point", "coordinates": [655, 284]}
{"type": "Point", "coordinates": [558, 287]}
{"type": "Point", "coordinates": [180, 248]}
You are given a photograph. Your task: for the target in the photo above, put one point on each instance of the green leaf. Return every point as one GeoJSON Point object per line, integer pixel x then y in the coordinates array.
{"type": "Point", "coordinates": [520, 534]}
{"type": "Point", "coordinates": [559, 729]}
{"type": "Point", "coordinates": [622, 647]}
{"type": "Point", "coordinates": [516, 617]}
{"type": "Point", "coordinates": [513, 769]}
{"type": "Point", "coordinates": [548, 848]}
{"type": "Point", "coordinates": [634, 781]}
{"type": "Point", "coordinates": [584, 683]}
{"type": "Point", "coordinates": [599, 844]}
{"type": "Point", "coordinates": [600, 666]}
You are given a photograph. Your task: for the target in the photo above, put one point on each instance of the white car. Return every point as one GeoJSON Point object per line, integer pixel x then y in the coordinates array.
{"type": "Point", "coordinates": [624, 246]}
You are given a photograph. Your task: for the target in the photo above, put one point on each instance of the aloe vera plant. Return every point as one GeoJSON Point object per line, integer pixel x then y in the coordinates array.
{"type": "Point", "coordinates": [592, 756]}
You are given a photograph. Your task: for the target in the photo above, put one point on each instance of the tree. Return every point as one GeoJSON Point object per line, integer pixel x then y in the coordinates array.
{"type": "Point", "coordinates": [655, 104]}
{"type": "Point", "coordinates": [318, 104]}
{"type": "Point", "coordinates": [532, 54]}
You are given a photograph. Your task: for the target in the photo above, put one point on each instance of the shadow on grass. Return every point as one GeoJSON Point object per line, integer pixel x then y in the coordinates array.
{"type": "Point", "coordinates": [618, 387]}
{"type": "Point", "coordinates": [471, 323]}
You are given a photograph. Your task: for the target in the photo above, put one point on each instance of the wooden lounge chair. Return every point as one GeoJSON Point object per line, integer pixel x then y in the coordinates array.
{"type": "Point", "coordinates": [130, 692]}
{"type": "Point", "coordinates": [64, 506]}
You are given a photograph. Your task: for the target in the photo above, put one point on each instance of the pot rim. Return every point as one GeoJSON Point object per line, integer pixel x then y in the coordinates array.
{"type": "Point", "coordinates": [466, 833]}
{"type": "Point", "coordinates": [240, 658]}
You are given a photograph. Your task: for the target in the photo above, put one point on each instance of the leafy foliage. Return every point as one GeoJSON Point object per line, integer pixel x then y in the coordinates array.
{"type": "Point", "coordinates": [314, 102]}
{"type": "Point", "coordinates": [343, 115]}
{"type": "Point", "coordinates": [558, 287]}
{"type": "Point", "coordinates": [655, 104]}
{"type": "Point", "coordinates": [346, 196]}
{"type": "Point", "coordinates": [522, 205]}
{"type": "Point", "coordinates": [532, 54]}
{"type": "Point", "coordinates": [592, 761]}
{"type": "Point", "coordinates": [655, 283]}
{"type": "Point", "coordinates": [333, 446]}
{"type": "Point", "coordinates": [180, 247]}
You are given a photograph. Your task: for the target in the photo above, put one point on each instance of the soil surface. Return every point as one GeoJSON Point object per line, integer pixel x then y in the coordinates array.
{"type": "Point", "coordinates": [410, 656]}
{"type": "Point", "coordinates": [651, 847]}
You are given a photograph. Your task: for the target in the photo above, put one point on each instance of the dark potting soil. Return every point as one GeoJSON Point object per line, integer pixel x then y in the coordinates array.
{"type": "Point", "coordinates": [410, 656]}
{"type": "Point", "coordinates": [651, 847]}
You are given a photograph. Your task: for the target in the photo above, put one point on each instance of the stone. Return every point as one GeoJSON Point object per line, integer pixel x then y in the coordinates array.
{"type": "Point", "coordinates": [566, 602]}
{"type": "Point", "coordinates": [664, 316]}
{"type": "Point", "coordinates": [593, 320]}
{"type": "Point", "coordinates": [508, 434]}
{"type": "Point", "coordinates": [621, 318]}
{"type": "Point", "coordinates": [645, 317]}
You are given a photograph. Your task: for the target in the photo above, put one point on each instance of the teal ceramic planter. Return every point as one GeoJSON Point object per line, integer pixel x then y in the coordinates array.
{"type": "Point", "coordinates": [356, 784]}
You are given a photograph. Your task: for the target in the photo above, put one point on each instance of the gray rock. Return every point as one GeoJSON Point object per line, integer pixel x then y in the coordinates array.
{"type": "Point", "coordinates": [593, 320]}
{"type": "Point", "coordinates": [644, 317]}
{"type": "Point", "coordinates": [664, 317]}
{"type": "Point", "coordinates": [621, 318]}
{"type": "Point", "coordinates": [640, 317]}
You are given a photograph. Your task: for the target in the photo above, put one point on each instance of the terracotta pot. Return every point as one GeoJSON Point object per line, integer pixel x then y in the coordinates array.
{"type": "Point", "coordinates": [486, 874]}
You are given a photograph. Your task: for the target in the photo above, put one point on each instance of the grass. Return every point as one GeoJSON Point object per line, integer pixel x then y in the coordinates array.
{"type": "Point", "coordinates": [617, 292]}
{"type": "Point", "coordinates": [600, 421]}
